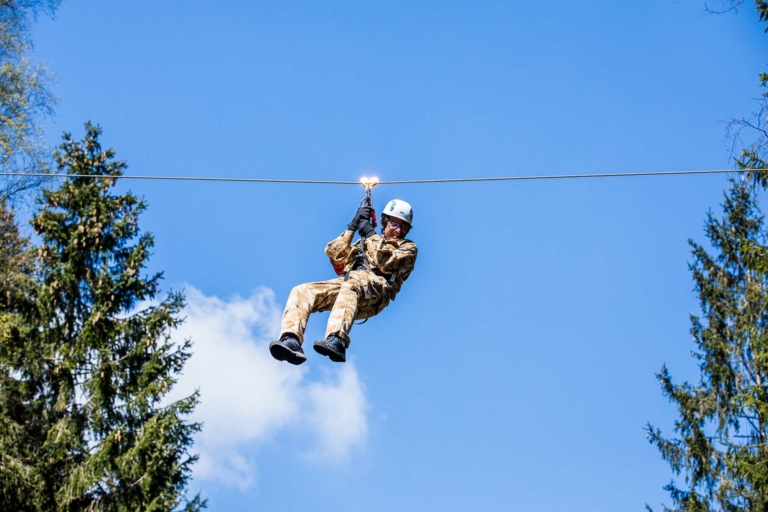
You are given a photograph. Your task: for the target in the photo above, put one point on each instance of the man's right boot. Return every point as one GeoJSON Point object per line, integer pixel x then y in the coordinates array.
{"type": "Point", "coordinates": [333, 347]}
{"type": "Point", "coordinates": [287, 348]}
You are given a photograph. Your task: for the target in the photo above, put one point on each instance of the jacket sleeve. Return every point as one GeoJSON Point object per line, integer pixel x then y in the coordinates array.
{"type": "Point", "coordinates": [339, 249]}
{"type": "Point", "coordinates": [390, 259]}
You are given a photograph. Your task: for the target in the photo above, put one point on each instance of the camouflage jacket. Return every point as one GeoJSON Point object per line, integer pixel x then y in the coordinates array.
{"type": "Point", "coordinates": [391, 257]}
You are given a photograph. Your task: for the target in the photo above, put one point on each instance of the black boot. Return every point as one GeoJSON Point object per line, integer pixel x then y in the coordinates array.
{"type": "Point", "coordinates": [287, 348]}
{"type": "Point", "coordinates": [333, 347]}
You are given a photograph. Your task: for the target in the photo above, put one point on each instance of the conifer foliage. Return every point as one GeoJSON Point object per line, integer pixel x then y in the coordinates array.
{"type": "Point", "coordinates": [86, 361]}
{"type": "Point", "coordinates": [721, 446]}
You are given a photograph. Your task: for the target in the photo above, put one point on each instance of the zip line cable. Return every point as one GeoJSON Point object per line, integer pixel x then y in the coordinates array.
{"type": "Point", "coordinates": [376, 182]}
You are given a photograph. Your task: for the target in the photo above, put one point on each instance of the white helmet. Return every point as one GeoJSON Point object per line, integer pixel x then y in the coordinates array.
{"type": "Point", "coordinates": [399, 209]}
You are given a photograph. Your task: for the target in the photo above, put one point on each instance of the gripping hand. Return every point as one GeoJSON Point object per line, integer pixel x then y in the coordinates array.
{"type": "Point", "coordinates": [365, 228]}
{"type": "Point", "coordinates": [363, 214]}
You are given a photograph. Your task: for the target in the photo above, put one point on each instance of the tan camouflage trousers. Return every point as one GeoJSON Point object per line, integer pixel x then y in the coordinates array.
{"type": "Point", "coordinates": [363, 295]}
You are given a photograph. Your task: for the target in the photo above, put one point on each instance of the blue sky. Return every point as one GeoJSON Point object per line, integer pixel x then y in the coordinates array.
{"type": "Point", "coordinates": [516, 368]}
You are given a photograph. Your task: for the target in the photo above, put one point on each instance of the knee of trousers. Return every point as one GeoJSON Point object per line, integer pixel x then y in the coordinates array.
{"type": "Point", "coordinates": [300, 292]}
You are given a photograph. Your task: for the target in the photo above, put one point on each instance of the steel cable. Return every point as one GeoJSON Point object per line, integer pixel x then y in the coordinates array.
{"type": "Point", "coordinates": [394, 182]}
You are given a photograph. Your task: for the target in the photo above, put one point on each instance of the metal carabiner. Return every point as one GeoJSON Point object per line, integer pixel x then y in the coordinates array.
{"type": "Point", "coordinates": [368, 183]}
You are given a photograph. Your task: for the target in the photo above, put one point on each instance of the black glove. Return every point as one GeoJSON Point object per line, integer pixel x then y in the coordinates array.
{"type": "Point", "coordinates": [363, 213]}
{"type": "Point", "coordinates": [365, 229]}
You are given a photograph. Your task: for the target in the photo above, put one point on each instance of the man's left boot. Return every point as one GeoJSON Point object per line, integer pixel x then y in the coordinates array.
{"type": "Point", "coordinates": [333, 347]}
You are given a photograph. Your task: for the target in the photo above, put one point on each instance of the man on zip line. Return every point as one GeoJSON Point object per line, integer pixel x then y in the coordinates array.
{"type": "Point", "coordinates": [370, 280]}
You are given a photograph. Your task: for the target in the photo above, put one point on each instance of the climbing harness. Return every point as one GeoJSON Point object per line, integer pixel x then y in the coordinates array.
{"type": "Point", "coordinates": [368, 183]}
{"type": "Point", "coordinates": [363, 262]}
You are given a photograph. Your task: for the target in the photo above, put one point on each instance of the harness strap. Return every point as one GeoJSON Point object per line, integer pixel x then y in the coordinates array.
{"type": "Point", "coordinates": [389, 277]}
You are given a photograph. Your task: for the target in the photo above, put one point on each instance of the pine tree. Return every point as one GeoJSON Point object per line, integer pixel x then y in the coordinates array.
{"type": "Point", "coordinates": [86, 368]}
{"type": "Point", "coordinates": [721, 446]}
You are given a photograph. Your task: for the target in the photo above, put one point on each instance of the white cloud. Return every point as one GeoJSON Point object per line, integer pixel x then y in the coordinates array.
{"type": "Point", "coordinates": [247, 397]}
{"type": "Point", "coordinates": [337, 415]}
